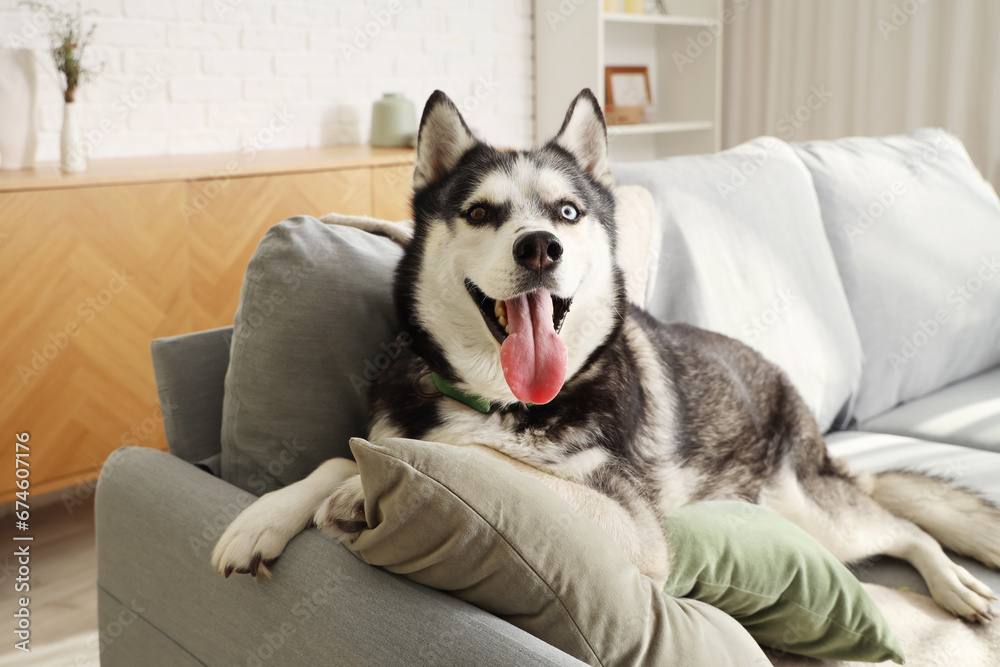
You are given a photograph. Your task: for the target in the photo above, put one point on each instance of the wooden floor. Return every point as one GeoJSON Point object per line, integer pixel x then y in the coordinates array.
{"type": "Point", "coordinates": [63, 588]}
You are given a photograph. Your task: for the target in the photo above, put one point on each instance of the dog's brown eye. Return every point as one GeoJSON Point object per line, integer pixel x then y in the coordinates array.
{"type": "Point", "coordinates": [569, 212]}
{"type": "Point", "coordinates": [478, 214]}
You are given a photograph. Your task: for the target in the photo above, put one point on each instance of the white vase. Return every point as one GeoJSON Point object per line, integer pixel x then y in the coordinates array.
{"type": "Point", "coordinates": [18, 89]}
{"type": "Point", "coordinates": [73, 159]}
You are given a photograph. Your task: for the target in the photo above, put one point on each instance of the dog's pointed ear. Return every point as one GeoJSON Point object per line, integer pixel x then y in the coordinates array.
{"type": "Point", "coordinates": [585, 136]}
{"type": "Point", "coordinates": [442, 140]}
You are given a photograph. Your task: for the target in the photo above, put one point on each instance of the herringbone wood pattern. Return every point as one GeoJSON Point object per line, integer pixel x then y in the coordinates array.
{"type": "Point", "coordinates": [224, 234]}
{"type": "Point", "coordinates": [391, 192]}
{"type": "Point", "coordinates": [95, 273]}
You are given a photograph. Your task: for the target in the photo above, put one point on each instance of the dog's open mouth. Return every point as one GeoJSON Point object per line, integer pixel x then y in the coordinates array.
{"type": "Point", "coordinates": [495, 312]}
{"type": "Point", "coordinates": [534, 357]}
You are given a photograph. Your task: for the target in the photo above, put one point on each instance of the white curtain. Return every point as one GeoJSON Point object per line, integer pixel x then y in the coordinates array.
{"type": "Point", "coordinates": [823, 69]}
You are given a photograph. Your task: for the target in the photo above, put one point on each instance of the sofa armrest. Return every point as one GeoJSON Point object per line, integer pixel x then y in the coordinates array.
{"type": "Point", "coordinates": [157, 521]}
{"type": "Point", "coordinates": [190, 380]}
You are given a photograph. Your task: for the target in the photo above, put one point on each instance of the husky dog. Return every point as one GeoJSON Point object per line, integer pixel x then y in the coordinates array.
{"type": "Point", "coordinates": [524, 343]}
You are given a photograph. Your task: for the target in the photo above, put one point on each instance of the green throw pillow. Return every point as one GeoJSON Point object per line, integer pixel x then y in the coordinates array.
{"type": "Point", "coordinates": [783, 586]}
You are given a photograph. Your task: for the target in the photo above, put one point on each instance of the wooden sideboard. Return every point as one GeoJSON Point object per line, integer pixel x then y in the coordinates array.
{"type": "Point", "coordinates": [98, 264]}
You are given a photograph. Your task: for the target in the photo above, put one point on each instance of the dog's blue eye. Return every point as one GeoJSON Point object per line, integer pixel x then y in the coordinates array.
{"type": "Point", "coordinates": [569, 212]}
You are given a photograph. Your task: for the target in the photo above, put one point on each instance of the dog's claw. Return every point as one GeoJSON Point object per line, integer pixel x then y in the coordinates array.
{"type": "Point", "coordinates": [255, 563]}
{"type": "Point", "coordinates": [984, 617]}
{"type": "Point", "coordinates": [229, 571]}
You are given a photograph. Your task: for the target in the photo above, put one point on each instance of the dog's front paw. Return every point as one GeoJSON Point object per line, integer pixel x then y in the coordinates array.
{"type": "Point", "coordinates": [258, 536]}
{"type": "Point", "coordinates": [343, 514]}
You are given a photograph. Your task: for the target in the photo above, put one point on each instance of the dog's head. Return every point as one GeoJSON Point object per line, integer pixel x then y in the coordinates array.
{"type": "Point", "coordinates": [510, 284]}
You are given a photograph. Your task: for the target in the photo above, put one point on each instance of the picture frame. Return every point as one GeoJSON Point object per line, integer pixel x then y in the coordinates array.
{"type": "Point", "coordinates": [627, 94]}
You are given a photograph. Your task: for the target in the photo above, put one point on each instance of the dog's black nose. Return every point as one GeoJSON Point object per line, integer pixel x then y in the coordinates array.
{"type": "Point", "coordinates": [537, 250]}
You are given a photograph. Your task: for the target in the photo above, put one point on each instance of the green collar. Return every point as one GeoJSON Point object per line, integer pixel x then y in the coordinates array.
{"type": "Point", "coordinates": [474, 401]}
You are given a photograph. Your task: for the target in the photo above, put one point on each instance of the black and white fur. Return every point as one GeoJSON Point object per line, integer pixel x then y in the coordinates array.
{"type": "Point", "coordinates": [652, 416]}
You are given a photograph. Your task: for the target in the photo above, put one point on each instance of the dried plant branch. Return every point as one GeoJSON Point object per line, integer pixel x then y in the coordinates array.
{"type": "Point", "coordinates": [70, 38]}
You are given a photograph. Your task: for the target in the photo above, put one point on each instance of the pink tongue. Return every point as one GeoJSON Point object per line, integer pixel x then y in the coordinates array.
{"type": "Point", "coordinates": [534, 357]}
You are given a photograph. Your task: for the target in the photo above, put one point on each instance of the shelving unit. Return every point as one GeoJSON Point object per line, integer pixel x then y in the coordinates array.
{"type": "Point", "coordinates": [660, 20]}
{"type": "Point", "coordinates": [683, 51]}
{"type": "Point", "coordinates": [654, 128]}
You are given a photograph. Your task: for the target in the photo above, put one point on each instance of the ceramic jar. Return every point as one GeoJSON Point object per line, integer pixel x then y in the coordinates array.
{"type": "Point", "coordinates": [394, 121]}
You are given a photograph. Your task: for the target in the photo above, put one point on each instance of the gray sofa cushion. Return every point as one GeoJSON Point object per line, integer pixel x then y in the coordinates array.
{"type": "Point", "coordinates": [965, 413]}
{"type": "Point", "coordinates": [190, 372]}
{"type": "Point", "coordinates": [314, 326]}
{"type": "Point", "coordinates": [915, 230]}
{"type": "Point", "coordinates": [975, 469]}
{"type": "Point", "coordinates": [742, 251]}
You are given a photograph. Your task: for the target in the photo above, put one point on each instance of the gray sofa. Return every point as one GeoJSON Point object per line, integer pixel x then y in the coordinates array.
{"type": "Point", "coordinates": [159, 514]}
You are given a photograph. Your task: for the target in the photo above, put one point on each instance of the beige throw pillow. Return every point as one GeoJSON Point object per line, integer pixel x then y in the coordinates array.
{"type": "Point", "coordinates": [458, 520]}
{"type": "Point", "coordinates": [635, 212]}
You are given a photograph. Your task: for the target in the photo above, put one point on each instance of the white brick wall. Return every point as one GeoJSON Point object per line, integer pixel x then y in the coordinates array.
{"type": "Point", "coordinates": [202, 76]}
